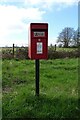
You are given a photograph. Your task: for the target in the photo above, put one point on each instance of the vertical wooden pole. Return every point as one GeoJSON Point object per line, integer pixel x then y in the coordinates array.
{"type": "Point", "coordinates": [13, 50]}
{"type": "Point", "coordinates": [55, 47]}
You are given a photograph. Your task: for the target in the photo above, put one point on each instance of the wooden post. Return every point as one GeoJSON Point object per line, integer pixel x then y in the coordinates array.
{"type": "Point", "coordinates": [13, 50]}
{"type": "Point", "coordinates": [55, 47]}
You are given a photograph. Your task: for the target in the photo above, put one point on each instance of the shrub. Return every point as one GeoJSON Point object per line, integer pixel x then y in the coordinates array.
{"type": "Point", "coordinates": [63, 54]}
{"type": "Point", "coordinates": [22, 53]}
{"type": "Point", "coordinates": [7, 53]}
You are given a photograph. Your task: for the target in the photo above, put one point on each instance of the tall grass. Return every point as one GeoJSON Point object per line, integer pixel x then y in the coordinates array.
{"type": "Point", "coordinates": [0, 88]}
{"type": "Point", "coordinates": [58, 89]}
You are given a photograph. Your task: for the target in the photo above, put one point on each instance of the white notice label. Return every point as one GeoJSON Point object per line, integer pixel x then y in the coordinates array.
{"type": "Point", "coordinates": [39, 34]}
{"type": "Point", "coordinates": [39, 48]}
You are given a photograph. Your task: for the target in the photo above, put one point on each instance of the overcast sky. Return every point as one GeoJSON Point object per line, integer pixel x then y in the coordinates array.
{"type": "Point", "coordinates": [16, 15]}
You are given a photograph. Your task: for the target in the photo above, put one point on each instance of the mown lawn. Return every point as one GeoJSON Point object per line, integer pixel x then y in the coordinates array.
{"type": "Point", "coordinates": [58, 89]}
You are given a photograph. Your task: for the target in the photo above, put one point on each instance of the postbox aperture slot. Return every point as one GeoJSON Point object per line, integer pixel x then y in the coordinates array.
{"type": "Point", "coordinates": [39, 34]}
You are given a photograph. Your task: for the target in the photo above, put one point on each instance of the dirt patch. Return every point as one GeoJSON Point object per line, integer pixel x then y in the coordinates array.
{"type": "Point", "coordinates": [6, 89]}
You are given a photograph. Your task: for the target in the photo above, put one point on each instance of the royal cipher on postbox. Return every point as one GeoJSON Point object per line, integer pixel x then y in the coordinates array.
{"type": "Point", "coordinates": [38, 41]}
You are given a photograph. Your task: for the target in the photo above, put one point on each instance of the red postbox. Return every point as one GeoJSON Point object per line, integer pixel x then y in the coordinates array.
{"type": "Point", "coordinates": [38, 41]}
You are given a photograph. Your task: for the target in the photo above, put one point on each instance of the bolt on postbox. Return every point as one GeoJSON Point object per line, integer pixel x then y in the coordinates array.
{"type": "Point", "coordinates": [38, 41]}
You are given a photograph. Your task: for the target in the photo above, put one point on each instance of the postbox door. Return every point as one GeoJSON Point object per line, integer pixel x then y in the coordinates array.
{"type": "Point", "coordinates": [41, 48]}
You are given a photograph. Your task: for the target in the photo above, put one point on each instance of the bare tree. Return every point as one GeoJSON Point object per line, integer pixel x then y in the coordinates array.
{"type": "Point", "coordinates": [66, 36]}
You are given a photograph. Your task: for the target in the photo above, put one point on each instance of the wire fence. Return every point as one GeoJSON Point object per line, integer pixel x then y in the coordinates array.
{"type": "Point", "coordinates": [21, 52]}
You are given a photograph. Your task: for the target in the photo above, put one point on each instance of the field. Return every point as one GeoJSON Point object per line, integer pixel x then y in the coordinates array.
{"type": "Point", "coordinates": [49, 47]}
{"type": "Point", "coordinates": [22, 53]}
{"type": "Point", "coordinates": [58, 89]}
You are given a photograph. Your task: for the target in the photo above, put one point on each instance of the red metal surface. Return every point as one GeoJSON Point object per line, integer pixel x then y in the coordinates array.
{"type": "Point", "coordinates": [34, 41]}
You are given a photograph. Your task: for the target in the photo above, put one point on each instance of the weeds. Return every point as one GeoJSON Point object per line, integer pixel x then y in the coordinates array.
{"type": "Point", "coordinates": [22, 53]}
{"type": "Point", "coordinates": [58, 89]}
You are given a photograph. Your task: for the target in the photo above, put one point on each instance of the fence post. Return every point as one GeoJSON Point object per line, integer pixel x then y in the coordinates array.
{"type": "Point", "coordinates": [55, 47]}
{"type": "Point", "coordinates": [13, 50]}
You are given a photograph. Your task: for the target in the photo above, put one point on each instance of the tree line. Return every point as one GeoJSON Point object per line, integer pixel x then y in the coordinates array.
{"type": "Point", "coordinates": [69, 37]}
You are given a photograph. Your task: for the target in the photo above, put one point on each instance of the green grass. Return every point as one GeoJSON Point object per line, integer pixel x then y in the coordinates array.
{"type": "Point", "coordinates": [57, 48]}
{"type": "Point", "coordinates": [63, 49]}
{"type": "Point", "coordinates": [0, 88]}
{"type": "Point", "coordinates": [58, 89]}
{"type": "Point", "coordinates": [66, 49]}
